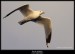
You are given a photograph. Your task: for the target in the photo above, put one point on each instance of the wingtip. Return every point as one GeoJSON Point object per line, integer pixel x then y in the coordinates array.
{"type": "Point", "coordinates": [47, 46]}
{"type": "Point", "coordinates": [4, 17]}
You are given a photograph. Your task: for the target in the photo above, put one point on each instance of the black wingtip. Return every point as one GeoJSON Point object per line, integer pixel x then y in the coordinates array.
{"type": "Point", "coordinates": [48, 40]}
{"type": "Point", "coordinates": [4, 17]}
{"type": "Point", "coordinates": [47, 45]}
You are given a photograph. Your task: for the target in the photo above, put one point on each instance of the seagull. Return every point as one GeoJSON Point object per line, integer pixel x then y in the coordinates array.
{"type": "Point", "coordinates": [35, 16]}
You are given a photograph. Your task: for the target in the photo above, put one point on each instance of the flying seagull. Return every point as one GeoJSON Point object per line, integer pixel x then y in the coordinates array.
{"type": "Point", "coordinates": [35, 16]}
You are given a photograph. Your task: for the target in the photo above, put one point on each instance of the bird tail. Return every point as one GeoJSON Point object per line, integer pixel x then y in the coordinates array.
{"type": "Point", "coordinates": [11, 13]}
{"type": "Point", "coordinates": [23, 21]}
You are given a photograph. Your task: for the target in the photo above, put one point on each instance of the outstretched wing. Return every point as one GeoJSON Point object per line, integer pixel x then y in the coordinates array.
{"type": "Point", "coordinates": [47, 25]}
{"type": "Point", "coordinates": [24, 9]}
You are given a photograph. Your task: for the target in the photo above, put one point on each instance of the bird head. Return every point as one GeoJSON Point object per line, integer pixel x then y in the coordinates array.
{"type": "Point", "coordinates": [41, 12]}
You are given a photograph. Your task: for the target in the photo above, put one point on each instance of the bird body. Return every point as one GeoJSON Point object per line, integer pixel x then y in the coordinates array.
{"type": "Point", "coordinates": [35, 16]}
